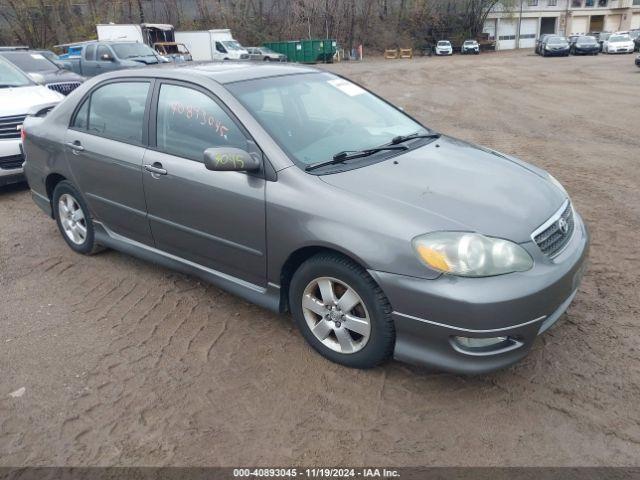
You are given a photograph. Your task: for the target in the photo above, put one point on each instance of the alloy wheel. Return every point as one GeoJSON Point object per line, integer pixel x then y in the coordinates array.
{"type": "Point", "coordinates": [72, 219]}
{"type": "Point", "coordinates": [336, 315]}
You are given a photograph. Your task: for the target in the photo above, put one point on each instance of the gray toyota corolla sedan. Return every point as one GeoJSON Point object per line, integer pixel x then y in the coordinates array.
{"type": "Point", "coordinates": [301, 191]}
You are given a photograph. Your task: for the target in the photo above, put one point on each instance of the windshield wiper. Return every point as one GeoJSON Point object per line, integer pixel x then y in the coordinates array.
{"type": "Point", "coordinates": [406, 138]}
{"type": "Point", "coordinates": [352, 154]}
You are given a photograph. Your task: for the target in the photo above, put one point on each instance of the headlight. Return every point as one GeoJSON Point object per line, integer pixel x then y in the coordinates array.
{"type": "Point", "coordinates": [471, 254]}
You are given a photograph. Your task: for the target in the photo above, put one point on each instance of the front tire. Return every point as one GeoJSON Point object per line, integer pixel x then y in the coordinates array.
{"type": "Point", "coordinates": [342, 313]}
{"type": "Point", "coordinates": [73, 219]}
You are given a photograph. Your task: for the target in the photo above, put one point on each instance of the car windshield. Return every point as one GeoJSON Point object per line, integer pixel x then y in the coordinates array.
{"type": "Point", "coordinates": [619, 38]}
{"type": "Point", "coordinates": [130, 50]}
{"type": "Point", "coordinates": [232, 45]}
{"type": "Point", "coordinates": [443, 43]}
{"type": "Point", "coordinates": [470, 42]}
{"type": "Point", "coordinates": [30, 61]}
{"type": "Point", "coordinates": [314, 116]}
{"type": "Point", "coordinates": [556, 40]}
{"type": "Point", "coordinates": [10, 76]}
{"type": "Point", "coordinates": [586, 40]}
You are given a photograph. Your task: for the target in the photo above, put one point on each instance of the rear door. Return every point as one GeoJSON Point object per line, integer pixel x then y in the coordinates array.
{"type": "Point", "coordinates": [105, 145]}
{"type": "Point", "coordinates": [214, 219]}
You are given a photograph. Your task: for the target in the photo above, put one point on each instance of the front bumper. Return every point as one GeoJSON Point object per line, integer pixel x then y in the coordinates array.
{"type": "Point", "coordinates": [620, 50]}
{"type": "Point", "coordinates": [428, 314]}
{"type": "Point", "coordinates": [553, 53]}
{"type": "Point", "coordinates": [586, 51]}
{"type": "Point", "coordinates": [11, 162]}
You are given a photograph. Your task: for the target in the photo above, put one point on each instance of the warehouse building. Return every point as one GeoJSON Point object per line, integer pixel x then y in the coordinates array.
{"type": "Point", "coordinates": [519, 26]}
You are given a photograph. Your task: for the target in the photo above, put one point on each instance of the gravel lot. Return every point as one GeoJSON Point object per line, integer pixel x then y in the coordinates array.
{"type": "Point", "coordinates": [125, 363]}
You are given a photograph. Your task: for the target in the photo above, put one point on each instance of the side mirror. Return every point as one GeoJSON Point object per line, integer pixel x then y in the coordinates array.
{"type": "Point", "coordinates": [105, 57]}
{"type": "Point", "coordinates": [227, 159]}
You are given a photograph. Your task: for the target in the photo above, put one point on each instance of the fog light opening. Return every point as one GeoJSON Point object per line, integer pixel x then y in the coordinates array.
{"type": "Point", "coordinates": [484, 345]}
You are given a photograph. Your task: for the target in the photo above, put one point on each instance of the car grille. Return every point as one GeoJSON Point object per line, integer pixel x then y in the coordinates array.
{"type": "Point", "coordinates": [556, 232]}
{"type": "Point", "coordinates": [12, 162]}
{"type": "Point", "coordinates": [9, 126]}
{"type": "Point", "coordinates": [64, 88]}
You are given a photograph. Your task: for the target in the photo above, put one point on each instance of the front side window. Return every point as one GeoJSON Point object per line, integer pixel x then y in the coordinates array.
{"type": "Point", "coordinates": [115, 111]}
{"type": "Point", "coordinates": [220, 48]}
{"type": "Point", "coordinates": [314, 116]}
{"type": "Point", "coordinates": [102, 51]}
{"type": "Point", "coordinates": [189, 122]}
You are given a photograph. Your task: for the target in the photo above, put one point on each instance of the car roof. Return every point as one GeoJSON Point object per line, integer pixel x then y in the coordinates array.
{"type": "Point", "coordinates": [220, 72]}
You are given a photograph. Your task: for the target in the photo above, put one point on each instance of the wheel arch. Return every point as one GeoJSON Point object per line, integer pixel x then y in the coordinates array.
{"type": "Point", "coordinates": [52, 180]}
{"type": "Point", "coordinates": [297, 258]}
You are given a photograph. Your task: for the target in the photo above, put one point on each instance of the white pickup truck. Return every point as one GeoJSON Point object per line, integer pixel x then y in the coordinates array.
{"type": "Point", "coordinates": [18, 96]}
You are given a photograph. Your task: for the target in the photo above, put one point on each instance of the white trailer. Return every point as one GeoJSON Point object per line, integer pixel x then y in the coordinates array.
{"type": "Point", "coordinates": [210, 45]}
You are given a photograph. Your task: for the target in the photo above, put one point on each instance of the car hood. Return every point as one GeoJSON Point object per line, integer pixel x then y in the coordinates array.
{"type": "Point", "coordinates": [458, 186]}
{"type": "Point", "coordinates": [61, 75]}
{"type": "Point", "coordinates": [18, 100]}
{"type": "Point", "coordinates": [144, 60]}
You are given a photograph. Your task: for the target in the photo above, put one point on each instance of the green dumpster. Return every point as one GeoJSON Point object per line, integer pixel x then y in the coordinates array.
{"type": "Point", "coordinates": [306, 51]}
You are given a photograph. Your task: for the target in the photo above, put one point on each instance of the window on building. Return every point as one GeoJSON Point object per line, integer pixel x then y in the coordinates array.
{"type": "Point", "coordinates": [636, 2]}
{"type": "Point", "coordinates": [552, 3]}
{"type": "Point", "coordinates": [576, 3]}
{"type": "Point", "coordinates": [189, 122]}
{"type": "Point", "coordinates": [602, 3]}
{"type": "Point", "coordinates": [532, 3]}
{"type": "Point", "coordinates": [589, 3]}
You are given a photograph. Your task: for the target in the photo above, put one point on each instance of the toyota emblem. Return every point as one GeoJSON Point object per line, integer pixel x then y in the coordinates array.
{"type": "Point", "coordinates": [563, 226]}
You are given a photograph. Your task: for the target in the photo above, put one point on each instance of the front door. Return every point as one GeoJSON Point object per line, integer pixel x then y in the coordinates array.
{"type": "Point", "coordinates": [105, 148]}
{"type": "Point", "coordinates": [214, 219]}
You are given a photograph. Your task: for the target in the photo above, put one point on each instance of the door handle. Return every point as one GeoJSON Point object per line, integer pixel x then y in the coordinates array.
{"type": "Point", "coordinates": [155, 168]}
{"type": "Point", "coordinates": [75, 146]}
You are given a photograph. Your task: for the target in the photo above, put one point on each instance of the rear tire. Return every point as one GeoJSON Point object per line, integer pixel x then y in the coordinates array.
{"type": "Point", "coordinates": [341, 312]}
{"type": "Point", "coordinates": [74, 219]}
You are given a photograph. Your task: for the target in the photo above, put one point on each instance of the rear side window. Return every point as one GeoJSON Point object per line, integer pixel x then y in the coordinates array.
{"type": "Point", "coordinates": [90, 52]}
{"type": "Point", "coordinates": [115, 111]}
{"type": "Point", "coordinates": [189, 122]}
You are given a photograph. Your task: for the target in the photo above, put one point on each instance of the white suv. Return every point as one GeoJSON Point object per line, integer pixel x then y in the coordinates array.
{"type": "Point", "coordinates": [444, 48]}
{"type": "Point", "coordinates": [18, 94]}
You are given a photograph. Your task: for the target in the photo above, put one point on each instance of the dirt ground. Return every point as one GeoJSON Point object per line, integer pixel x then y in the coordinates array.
{"type": "Point", "coordinates": [126, 363]}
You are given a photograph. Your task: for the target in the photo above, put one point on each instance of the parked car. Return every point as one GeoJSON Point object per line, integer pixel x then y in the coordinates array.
{"type": "Point", "coordinates": [618, 43]}
{"type": "Point", "coordinates": [602, 37]}
{"type": "Point", "coordinates": [583, 45]}
{"type": "Point", "coordinates": [638, 61]}
{"type": "Point", "coordinates": [470, 46]}
{"type": "Point", "coordinates": [265, 54]}
{"type": "Point", "coordinates": [43, 71]}
{"type": "Point", "coordinates": [538, 46]}
{"type": "Point", "coordinates": [554, 45]}
{"type": "Point", "coordinates": [443, 47]}
{"type": "Point", "coordinates": [18, 95]}
{"type": "Point", "coordinates": [380, 236]}
{"type": "Point", "coordinates": [636, 41]}
{"type": "Point", "coordinates": [100, 57]}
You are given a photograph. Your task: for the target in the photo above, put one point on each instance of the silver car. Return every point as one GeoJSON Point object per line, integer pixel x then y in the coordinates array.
{"type": "Point", "coordinates": [265, 54]}
{"type": "Point", "coordinates": [301, 191]}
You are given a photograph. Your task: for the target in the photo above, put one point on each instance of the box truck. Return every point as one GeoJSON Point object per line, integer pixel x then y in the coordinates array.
{"type": "Point", "coordinates": [209, 45]}
{"type": "Point", "coordinates": [159, 36]}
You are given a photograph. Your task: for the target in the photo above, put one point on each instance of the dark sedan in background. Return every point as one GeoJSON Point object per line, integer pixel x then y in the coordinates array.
{"type": "Point", "coordinates": [43, 71]}
{"type": "Point", "coordinates": [554, 46]}
{"type": "Point", "coordinates": [584, 45]}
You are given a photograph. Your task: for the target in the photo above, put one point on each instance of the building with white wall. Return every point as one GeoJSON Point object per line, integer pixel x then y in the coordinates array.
{"type": "Point", "coordinates": [520, 25]}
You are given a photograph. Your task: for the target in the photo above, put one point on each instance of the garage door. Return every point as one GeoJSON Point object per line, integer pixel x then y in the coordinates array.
{"type": "Point", "coordinates": [635, 20]}
{"type": "Point", "coordinates": [506, 34]}
{"type": "Point", "coordinates": [528, 32]}
{"type": "Point", "coordinates": [612, 23]}
{"type": "Point", "coordinates": [579, 25]}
